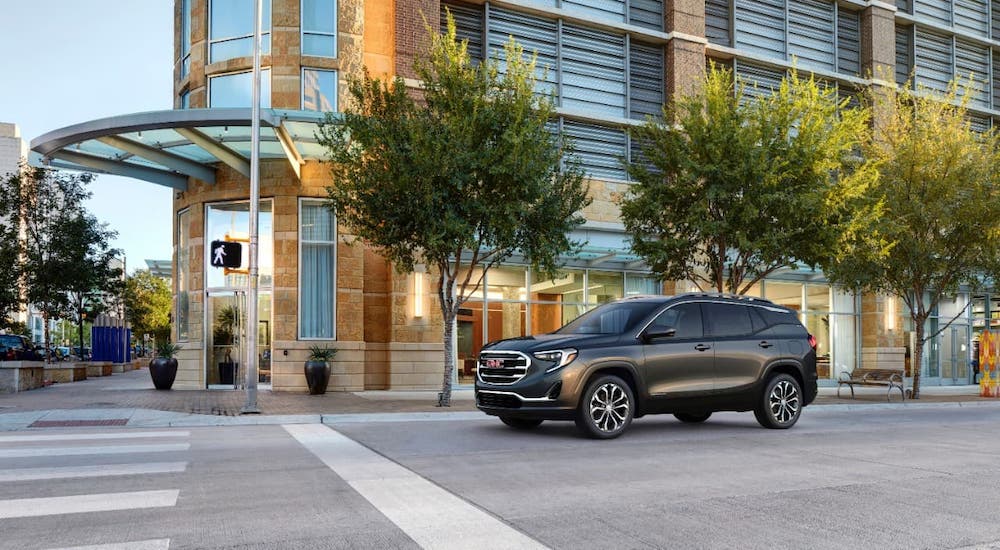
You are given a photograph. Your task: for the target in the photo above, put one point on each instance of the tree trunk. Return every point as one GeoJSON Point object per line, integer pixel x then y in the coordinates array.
{"type": "Point", "coordinates": [449, 360]}
{"type": "Point", "coordinates": [45, 330]}
{"type": "Point", "coordinates": [918, 354]}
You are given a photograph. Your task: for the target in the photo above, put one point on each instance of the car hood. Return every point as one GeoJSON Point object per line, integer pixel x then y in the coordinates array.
{"type": "Point", "coordinates": [543, 342]}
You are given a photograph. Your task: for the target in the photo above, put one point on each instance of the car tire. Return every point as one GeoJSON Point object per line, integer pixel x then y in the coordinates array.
{"type": "Point", "coordinates": [606, 408]}
{"type": "Point", "coordinates": [692, 418]}
{"type": "Point", "coordinates": [521, 423]}
{"type": "Point", "coordinates": [780, 404]}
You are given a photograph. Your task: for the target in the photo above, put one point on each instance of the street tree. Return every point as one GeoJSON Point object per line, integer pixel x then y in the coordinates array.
{"type": "Point", "coordinates": [10, 298]}
{"type": "Point", "coordinates": [93, 282]}
{"type": "Point", "coordinates": [938, 184]}
{"type": "Point", "coordinates": [147, 304]}
{"type": "Point", "coordinates": [734, 186]}
{"type": "Point", "coordinates": [46, 203]}
{"type": "Point", "coordinates": [459, 179]}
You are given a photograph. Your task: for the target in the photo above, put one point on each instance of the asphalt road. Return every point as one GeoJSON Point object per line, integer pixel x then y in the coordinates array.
{"type": "Point", "coordinates": [880, 478]}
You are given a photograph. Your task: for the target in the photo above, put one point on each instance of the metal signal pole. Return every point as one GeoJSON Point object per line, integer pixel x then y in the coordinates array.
{"type": "Point", "coordinates": [250, 407]}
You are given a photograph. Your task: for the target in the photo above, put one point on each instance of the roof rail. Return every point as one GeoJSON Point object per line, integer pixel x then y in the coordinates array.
{"type": "Point", "coordinates": [740, 297]}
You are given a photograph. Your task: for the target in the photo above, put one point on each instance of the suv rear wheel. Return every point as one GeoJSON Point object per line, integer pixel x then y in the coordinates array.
{"type": "Point", "coordinates": [692, 418]}
{"type": "Point", "coordinates": [607, 408]}
{"type": "Point", "coordinates": [520, 423]}
{"type": "Point", "coordinates": [781, 403]}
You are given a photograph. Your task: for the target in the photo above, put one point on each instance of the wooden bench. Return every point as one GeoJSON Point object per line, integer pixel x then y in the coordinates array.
{"type": "Point", "coordinates": [892, 378]}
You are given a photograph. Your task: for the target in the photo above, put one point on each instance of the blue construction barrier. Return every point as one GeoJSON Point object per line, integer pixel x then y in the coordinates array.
{"type": "Point", "coordinates": [109, 344]}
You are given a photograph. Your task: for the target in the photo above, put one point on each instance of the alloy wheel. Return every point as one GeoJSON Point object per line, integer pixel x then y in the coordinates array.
{"type": "Point", "coordinates": [784, 401]}
{"type": "Point", "coordinates": [609, 407]}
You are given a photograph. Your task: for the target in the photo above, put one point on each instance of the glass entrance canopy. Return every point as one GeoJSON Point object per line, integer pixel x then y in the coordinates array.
{"type": "Point", "coordinates": [167, 147]}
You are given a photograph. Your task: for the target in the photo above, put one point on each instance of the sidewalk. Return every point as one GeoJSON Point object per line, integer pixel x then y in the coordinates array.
{"type": "Point", "coordinates": [128, 399]}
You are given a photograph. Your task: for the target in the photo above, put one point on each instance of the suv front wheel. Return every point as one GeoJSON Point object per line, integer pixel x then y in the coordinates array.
{"type": "Point", "coordinates": [780, 404]}
{"type": "Point", "coordinates": [607, 408]}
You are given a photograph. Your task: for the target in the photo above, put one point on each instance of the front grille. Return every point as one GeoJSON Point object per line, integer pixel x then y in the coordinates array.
{"type": "Point", "coordinates": [499, 367]}
{"type": "Point", "coordinates": [497, 400]}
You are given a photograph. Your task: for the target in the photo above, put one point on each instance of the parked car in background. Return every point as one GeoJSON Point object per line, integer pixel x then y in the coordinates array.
{"type": "Point", "coordinates": [82, 356]}
{"type": "Point", "coordinates": [63, 353]}
{"type": "Point", "coordinates": [14, 347]}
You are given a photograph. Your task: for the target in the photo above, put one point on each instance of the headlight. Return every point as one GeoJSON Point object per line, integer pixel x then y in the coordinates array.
{"type": "Point", "coordinates": [561, 358]}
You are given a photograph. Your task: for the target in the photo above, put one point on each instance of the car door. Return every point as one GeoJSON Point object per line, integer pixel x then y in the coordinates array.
{"type": "Point", "coordinates": [743, 345]}
{"type": "Point", "coordinates": [679, 364]}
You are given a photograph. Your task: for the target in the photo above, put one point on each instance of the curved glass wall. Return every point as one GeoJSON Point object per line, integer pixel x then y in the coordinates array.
{"type": "Point", "coordinates": [231, 29]}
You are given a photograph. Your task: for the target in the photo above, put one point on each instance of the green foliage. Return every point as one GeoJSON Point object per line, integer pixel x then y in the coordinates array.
{"type": "Point", "coordinates": [147, 303]}
{"type": "Point", "coordinates": [736, 188]}
{"type": "Point", "coordinates": [166, 349]}
{"type": "Point", "coordinates": [321, 353]}
{"type": "Point", "coordinates": [226, 320]}
{"type": "Point", "coordinates": [461, 178]}
{"type": "Point", "coordinates": [938, 184]}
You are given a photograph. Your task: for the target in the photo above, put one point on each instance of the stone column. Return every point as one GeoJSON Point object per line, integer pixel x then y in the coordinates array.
{"type": "Point", "coordinates": [878, 54]}
{"type": "Point", "coordinates": [685, 60]}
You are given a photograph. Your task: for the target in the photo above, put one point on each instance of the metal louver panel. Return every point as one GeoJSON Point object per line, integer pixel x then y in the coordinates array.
{"type": "Point", "coordinates": [757, 80]}
{"type": "Point", "coordinates": [904, 56]}
{"type": "Point", "coordinates": [646, 13]}
{"type": "Point", "coordinates": [534, 34]}
{"type": "Point", "coordinates": [996, 80]}
{"type": "Point", "coordinates": [978, 123]}
{"type": "Point", "coordinates": [645, 80]}
{"type": "Point", "coordinates": [468, 26]}
{"type": "Point", "coordinates": [601, 9]}
{"type": "Point", "coordinates": [599, 150]}
{"type": "Point", "coordinates": [995, 20]}
{"type": "Point", "coordinates": [760, 27]}
{"type": "Point", "coordinates": [933, 60]}
{"type": "Point", "coordinates": [717, 22]}
{"type": "Point", "coordinates": [810, 33]}
{"type": "Point", "coordinates": [849, 42]}
{"type": "Point", "coordinates": [973, 61]}
{"type": "Point", "coordinates": [938, 11]}
{"type": "Point", "coordinates": [593, 71]}
{"type": "Point", "coordinates": [973, 16]}
{"type": "Point", "coordinates": [903, 5]}
{"type": "Point", "coordinates": [852, 96]}
{"type": "Point", "coordinates": [638, 156]}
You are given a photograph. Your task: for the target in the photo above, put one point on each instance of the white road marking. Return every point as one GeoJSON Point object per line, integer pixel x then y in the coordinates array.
{"type": "Point", "coordinates": [94, 450]}
{"type": "Point", "coordinates": [424, 511]}
{"type": "Point", "coordinates": [153, 544]}
{"type": "Point", "coordinates": [96, 470]}
{"type": "Point", "coordinates": [91, 437]}
{"type": "Point", "coordinates": [34, 507]}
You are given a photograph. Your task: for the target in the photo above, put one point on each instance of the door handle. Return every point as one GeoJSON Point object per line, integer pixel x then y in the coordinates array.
{"type": "Point", "coordinates": [765, 344]}
{"type": "Point", "coordinates": [703, 347]}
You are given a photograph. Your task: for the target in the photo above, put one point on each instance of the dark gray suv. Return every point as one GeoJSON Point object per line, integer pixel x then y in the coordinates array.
{"type": "Point", "coordinates": [688, 355]}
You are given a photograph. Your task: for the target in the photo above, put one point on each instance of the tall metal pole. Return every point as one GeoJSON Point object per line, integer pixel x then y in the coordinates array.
{"type": "Point", "coordinates": [250, 407]}
{"type": "Point", "coordinates": [124, 311]}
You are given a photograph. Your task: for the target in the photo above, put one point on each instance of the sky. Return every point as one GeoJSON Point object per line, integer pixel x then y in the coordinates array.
{"type": "Point", "coordinates": [72, 61]}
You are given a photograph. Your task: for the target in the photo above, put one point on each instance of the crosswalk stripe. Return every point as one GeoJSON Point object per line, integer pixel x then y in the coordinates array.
{"type": "Point", "coordinates": [88, 437]}
{"type": "Point", "coordinates": [421, 509]}
{"type": "Point", "coordinates": [96, 470]}
{"type": "Point", "coordinates": [152, 544]}
{"type": "Point", "coordinates": [92, 450]}
{"type": "Point", "coordinates": [105, 502]}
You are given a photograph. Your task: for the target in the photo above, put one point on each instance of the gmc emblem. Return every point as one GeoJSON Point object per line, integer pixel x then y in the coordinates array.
{"type": "Point", "coordinates": [493, 363]}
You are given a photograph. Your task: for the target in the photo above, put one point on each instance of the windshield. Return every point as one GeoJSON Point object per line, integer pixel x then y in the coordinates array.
{"type": "Point", "coordinates": [613, 318]}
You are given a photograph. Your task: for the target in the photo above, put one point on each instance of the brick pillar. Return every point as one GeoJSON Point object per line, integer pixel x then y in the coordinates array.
{"type": "Point", "coordinates": [411, 31]}
{"type": "Point", "coordinates": [685, 62]}
{"type": "Point", "coordinates": [878, 42]}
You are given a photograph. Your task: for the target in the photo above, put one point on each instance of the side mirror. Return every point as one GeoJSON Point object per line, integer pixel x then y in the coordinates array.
{"type": "Point", "coordinates": [658, 332]}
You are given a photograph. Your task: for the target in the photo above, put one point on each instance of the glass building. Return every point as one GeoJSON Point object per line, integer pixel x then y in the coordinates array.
{"type": "Point", "coordinates": [608, 63]}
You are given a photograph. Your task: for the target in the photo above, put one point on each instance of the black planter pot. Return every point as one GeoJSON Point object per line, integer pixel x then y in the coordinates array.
{"type": "Point", "coordinates": [163, 371]}
{"type": "Point", "coordinates": [317, 376]}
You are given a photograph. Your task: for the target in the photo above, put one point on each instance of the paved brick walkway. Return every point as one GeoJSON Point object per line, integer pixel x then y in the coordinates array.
{"type": "Point", "coordinates": [134, 390]}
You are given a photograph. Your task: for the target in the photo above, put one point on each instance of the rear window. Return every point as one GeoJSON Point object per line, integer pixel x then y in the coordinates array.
{"type": "Point", "coordinates": [783, 323]}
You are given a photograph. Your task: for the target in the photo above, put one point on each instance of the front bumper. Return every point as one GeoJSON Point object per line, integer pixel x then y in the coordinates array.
{"type": "Point", "coordinates": [538, 395]}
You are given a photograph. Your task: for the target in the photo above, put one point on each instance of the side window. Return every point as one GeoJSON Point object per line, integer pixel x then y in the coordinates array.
{"type": "Point", "coordinates": [729, 320]}
{"type": "Point", "coordinates": [683, 318]}
{"type": "Point", "coordinates": [757, 320]}
{"type": "Point", "coordinates": [784, 324]}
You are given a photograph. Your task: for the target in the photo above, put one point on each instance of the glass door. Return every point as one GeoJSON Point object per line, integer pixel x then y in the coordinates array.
{"type": "Point", "coordinates": [226, 319]}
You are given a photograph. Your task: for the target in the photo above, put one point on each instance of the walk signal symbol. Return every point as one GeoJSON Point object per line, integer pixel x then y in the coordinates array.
{"type": "Point", "coordinates": [226, 254]}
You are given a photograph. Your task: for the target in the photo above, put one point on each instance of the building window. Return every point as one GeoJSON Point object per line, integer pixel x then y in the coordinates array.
{"type": "Point", "coordinates": [231, 29]}
{"type": "Point", "coordinates": [183, 269]}
{"type": "Point", "coordinates": [185, 37]}
{"type": "Point", "coordinates": [236, 90]}
{"type": "Point", "coordinates": [319, 28]}
{"type": "Point", "coordinates": [319, 90]}
{"type": "Point", "coordinates": [317, 270]}
{"type": "Point", "coordinates": [185, 99]}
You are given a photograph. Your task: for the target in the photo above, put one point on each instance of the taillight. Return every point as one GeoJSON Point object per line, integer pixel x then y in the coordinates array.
{"type": "Point", "coordinates": [812, 342]}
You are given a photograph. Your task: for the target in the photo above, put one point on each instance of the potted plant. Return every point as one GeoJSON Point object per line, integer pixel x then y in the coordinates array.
{"type": "Point", "coordinates": [318, 369]}
{"type": "Point", "coordinates": [163, 369]}
{"type": "Point", "coordinates": [224, 337]}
